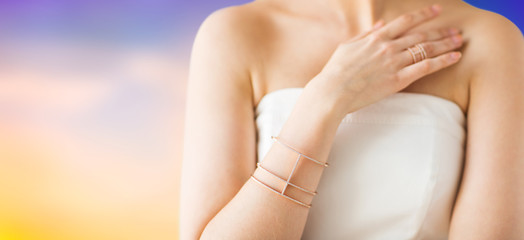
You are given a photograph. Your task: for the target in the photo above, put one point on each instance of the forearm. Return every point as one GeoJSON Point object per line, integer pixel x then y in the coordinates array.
{"type": "Point", "coordinates": [258, 213]}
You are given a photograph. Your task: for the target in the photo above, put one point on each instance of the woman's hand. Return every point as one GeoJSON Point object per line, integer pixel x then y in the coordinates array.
{"type": "Point", "coordinates": [375, 64]}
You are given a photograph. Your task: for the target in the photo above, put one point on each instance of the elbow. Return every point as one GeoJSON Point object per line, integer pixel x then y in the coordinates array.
{"type": "Point", "coordinates": [210, 232]}
{"type": "Point", "coordinates": [196, 232]}
{"type": "Point", "coordinates": [191, 235]}
{"type": "Point", "coordinates": [190, 231]}
{"type": "Point", "coordinates": [204, 235]}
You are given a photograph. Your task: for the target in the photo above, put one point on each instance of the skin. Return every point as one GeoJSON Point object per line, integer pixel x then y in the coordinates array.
{"type": "Point", "coordinates": [243, 52]}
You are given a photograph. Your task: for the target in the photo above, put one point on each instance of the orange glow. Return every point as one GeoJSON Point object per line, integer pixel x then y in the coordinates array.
{"type": "Point", "coordinates": [74, 165]}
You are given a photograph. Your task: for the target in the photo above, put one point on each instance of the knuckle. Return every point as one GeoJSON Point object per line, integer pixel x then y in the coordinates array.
{"type": "Point", "coordinates": [407, 18]}
{"type": "Point", "coordinates": [427, 12]}
{"type": "Point", "coordinates": [425, 66]}
{"type": "Point", "coordinates": [421, 37]}
{"type": "Point", "coordinates": [429, 48]}
{"type": "Point", "coordinates": [375, 37]}
{"type": "Point", "coordinates": [387, 48]}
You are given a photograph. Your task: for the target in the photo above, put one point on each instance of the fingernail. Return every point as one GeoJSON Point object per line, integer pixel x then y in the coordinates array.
{"type": "Point", "coordinates": [455, 55]}
{"type": "Point", "coordinates": [457, 39]}
{"type": "Point", "coordinates": [436, 8]}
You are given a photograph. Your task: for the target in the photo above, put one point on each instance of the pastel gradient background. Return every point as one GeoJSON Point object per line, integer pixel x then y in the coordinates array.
{"type": "Point", "coordinates": [91, 114]}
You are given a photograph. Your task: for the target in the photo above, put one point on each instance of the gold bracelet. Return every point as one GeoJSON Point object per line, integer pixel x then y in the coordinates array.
{"type": "Point", "coordinates": [281, 194]}
{"type": "Point", "coordinates": [300, 188]}
{"type": "Point", "coordinates": [299, 153]}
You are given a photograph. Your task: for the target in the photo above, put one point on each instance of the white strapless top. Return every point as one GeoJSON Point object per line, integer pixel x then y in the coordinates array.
{"type": "Point", "coordinates": [395, 167]}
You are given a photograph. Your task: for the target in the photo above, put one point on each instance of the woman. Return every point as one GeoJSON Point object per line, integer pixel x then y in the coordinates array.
{"type": "Point", "coordinates": [380, 91]}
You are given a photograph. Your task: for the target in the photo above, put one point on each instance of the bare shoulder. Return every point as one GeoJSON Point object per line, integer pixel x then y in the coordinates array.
{"type": "Point", "coordinates": [490, 21]}
{"type": "Point", "coordinates": [492, 38]}
{"type": "Point", "coordinates": [493, 53]}
{"type": "Point", "coordinates": [495, 49]}
{"type": "Point", "coordinates": [236, 26]}
{"type": "Point", "coordinates": [227, 45]}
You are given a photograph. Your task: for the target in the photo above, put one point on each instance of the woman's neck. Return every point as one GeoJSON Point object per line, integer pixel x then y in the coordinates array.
{"type": "Point", "coordinates": [355, 14]}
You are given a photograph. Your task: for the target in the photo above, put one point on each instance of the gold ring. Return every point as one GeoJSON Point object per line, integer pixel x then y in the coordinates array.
{"type": "Point", "coordinates": [418, 53]}
{"type": "Point", "coordinates": [423, 51]}
{"type": "Point", "coordinates": [413, 55]}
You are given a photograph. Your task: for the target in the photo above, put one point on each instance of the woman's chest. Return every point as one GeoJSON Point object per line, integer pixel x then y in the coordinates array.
{"type": "Point", "coordinates": [297, 53]}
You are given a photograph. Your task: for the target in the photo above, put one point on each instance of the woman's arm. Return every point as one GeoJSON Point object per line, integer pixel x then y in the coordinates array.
{"type": "Point", "coordinates": [490, 203]}
{"type": "Point", "coordinates": [219, 135]}
{"type": "Point", "coordinates": [218, 199]}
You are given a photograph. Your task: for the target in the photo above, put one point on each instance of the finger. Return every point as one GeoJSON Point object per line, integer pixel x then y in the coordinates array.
{"type": "Point", "coordinates": [415, 38]}
{"type": "Point", "coordinates": [418, 70]}
{"type": "Point", "coordinates": [375, 27]}
{"type": "Point", "coordinates": [433, 49]}
{"type": "Point", "coordinates": [408, 21]}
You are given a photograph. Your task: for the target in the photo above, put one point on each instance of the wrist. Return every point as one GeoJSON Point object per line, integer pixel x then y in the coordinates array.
{"type": "Point", "coordinates": [323, 99]}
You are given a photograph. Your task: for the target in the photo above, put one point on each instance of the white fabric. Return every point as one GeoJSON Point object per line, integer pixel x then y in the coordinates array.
{"type": "Point", "coordinates": [395, 167]}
